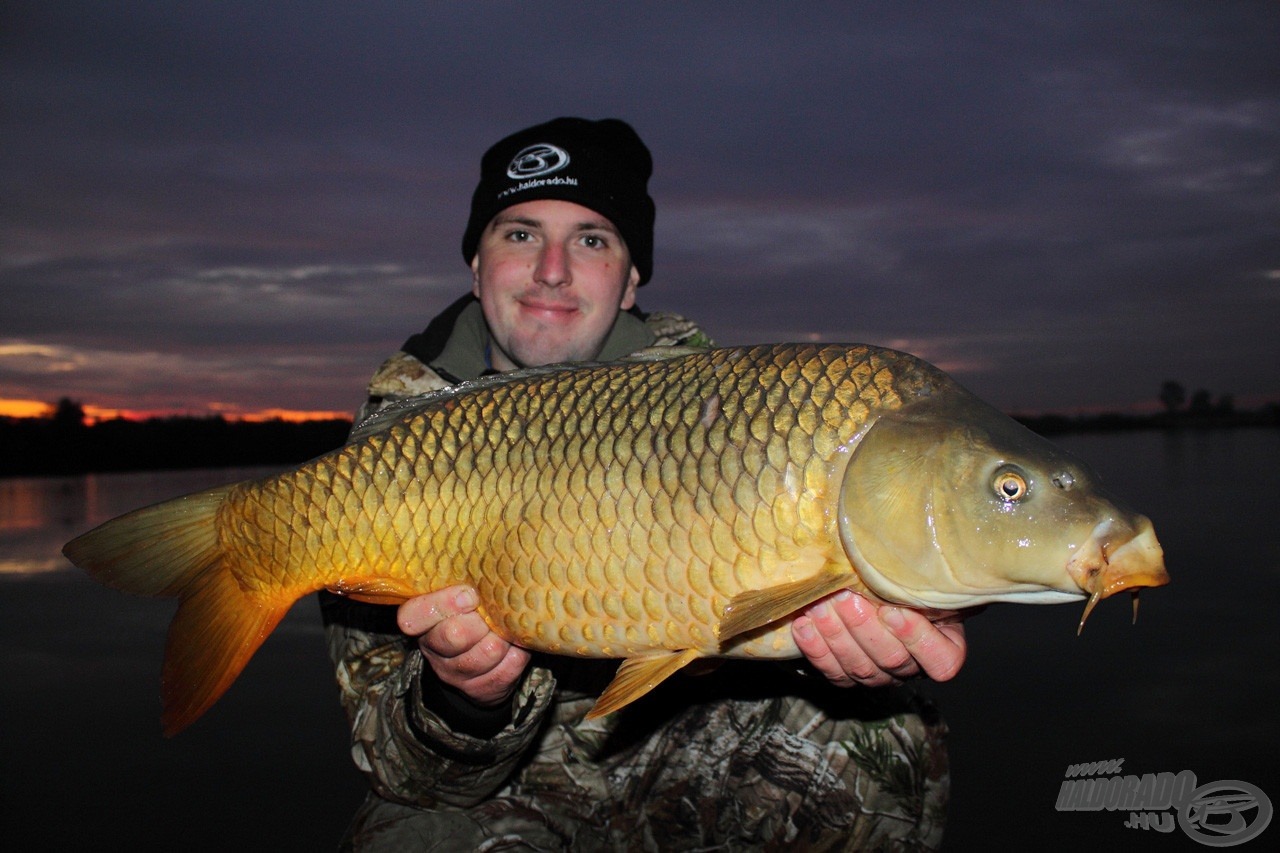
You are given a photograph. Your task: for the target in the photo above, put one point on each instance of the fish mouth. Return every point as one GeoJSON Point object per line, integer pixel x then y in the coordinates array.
{"type": "Point", "coordinates": [1117, 557]}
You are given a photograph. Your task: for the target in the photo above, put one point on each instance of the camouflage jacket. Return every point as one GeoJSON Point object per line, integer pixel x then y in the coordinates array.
{"type": "Point", "coordinates": [752, 756]}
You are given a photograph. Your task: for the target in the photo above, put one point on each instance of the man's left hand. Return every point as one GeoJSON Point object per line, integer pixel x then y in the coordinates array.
{"type": "Point", "coordinates": [852, 640]}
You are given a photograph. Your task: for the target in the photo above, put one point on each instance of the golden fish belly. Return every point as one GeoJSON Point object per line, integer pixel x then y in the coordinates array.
{"type": "Point", "coordinates": [598, 511]}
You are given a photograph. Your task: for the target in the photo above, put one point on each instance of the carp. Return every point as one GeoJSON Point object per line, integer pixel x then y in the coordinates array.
{"type": "Point", "coordinates": [671, 506]}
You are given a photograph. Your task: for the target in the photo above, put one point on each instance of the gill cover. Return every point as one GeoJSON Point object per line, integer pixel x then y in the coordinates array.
{"type": "Point", "coordinates": [949, 503]}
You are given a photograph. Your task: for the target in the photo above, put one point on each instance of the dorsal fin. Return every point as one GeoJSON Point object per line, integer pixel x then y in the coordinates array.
{"type": "Point", "coordinates": [397, 410]}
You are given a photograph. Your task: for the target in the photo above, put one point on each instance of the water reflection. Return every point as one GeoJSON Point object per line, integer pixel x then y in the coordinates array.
{"type": "Point", "coordinates": [29, 503]}
{"type": "Point", "coordinates": [38, 515]}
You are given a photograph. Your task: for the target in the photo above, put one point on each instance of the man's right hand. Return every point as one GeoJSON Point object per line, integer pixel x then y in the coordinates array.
{"type": "Point", "coordinates": [460, 647]}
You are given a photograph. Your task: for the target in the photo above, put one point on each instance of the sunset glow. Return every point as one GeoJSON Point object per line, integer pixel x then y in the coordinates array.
{"type": "Point", "coordinates": [11, 408]}
{"type": "Point", "coordinates": [289, 415]}
{"type": "Point", "coordinates": [24, 409]}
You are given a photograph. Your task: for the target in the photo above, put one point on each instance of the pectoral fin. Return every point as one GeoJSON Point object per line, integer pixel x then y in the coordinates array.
{"type": "Point", "coordinates": [758, 607]}
{"type": "Point", "coordinates": [637, 676]}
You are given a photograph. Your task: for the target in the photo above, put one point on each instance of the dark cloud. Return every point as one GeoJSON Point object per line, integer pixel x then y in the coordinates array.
{"type": "Point", "coordinates": [1066, 203]}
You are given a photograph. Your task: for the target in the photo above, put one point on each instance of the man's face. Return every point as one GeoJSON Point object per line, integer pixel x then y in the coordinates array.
{"type": "Point", "coordinates": [551, 277]}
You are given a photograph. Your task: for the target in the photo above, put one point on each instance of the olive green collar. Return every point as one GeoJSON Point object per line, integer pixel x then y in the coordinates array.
{"type": "Point", "coordinates": [465, 353]}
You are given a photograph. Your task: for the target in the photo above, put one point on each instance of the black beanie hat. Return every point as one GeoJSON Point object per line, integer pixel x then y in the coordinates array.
{"type": "Point", "coordinates": [601, 165]}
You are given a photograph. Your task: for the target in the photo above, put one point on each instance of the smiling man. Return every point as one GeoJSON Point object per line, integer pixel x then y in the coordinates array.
{"type": "Point", "coordinates": [468, 740]}
{"type": "Point", "coordinates": [551, 277]}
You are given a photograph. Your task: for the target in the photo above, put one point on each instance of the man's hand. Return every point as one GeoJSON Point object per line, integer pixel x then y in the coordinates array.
{"type": "Point", "coordinates": [851, 641]}
{"type": "Point", "coordinates": [459, 646]}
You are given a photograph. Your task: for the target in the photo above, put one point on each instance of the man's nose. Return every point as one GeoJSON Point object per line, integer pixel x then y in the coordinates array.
{"type": "Point", "coordinates": [553, 265]}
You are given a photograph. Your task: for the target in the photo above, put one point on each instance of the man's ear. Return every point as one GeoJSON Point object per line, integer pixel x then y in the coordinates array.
{"type": "Point", "coordinates": [629, 292]}
{"type": "Point", "coordinates": [475, 276]}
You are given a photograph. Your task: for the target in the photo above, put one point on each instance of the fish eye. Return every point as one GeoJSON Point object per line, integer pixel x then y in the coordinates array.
{"type": "Point", "coordinates": [1063, 480]}
{"type": "Point", "coordinates": [1010, 485]}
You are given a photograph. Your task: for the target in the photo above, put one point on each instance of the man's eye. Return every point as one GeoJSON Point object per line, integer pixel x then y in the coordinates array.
{"type": "Point", "coordinates": [594, 241]}
{"type": "Point", "coordinates": [518, 236]}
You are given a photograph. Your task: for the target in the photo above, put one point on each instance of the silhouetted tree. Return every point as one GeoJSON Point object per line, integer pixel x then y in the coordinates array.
{"type": "Point", "coordinates": [70, 437]}
{"type": "Point", "coordinates": [1172, 395]}
{"type": "Point", "coordinates": [68, 414]}
{"type": "Point", "coordinates": [1200, 403]}
{"type": "Point", "coordinates": [1226, 405]}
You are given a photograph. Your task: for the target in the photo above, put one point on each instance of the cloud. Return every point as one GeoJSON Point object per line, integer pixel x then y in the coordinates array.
{"type": "Point", "coordinates": [35, 357]}
{"type": "Point", "coordinates": [1033, 194]}
{"type": "Point", "coordinates": [772, 239]}
{"type": "Point", "coordinates": [175, 379]}
{"type": "Point", "coordinates": [1198, 147]}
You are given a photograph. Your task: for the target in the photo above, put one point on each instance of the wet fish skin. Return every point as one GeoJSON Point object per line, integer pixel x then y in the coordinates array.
{"type": "Point", "coordinates": [605, 511]}
{"type": "Point", "coordinates": [659, 509]}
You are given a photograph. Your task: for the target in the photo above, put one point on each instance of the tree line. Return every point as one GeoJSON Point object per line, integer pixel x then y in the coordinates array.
{"type": "Point", "coordinates": [64, 444]}
{"type": "Point", "coordinates": [1173, 395]}
{"type": "Point", "coordinates": [1198, 409]}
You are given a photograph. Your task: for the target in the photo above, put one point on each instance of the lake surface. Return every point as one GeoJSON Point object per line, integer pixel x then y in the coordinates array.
{"type": "Point", "coordinates": [1193, 686]}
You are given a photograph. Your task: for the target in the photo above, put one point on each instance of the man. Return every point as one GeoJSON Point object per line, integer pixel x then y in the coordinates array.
{"type": "Point", "coordinates": [469, 741]}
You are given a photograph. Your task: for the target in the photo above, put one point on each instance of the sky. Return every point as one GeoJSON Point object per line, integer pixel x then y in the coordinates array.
{"type": "Point", "coordinates": [243, 207]}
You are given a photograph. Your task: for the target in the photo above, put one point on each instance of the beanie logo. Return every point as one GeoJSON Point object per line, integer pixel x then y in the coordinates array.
{"type": "Point", "coordinates": [536, 160]}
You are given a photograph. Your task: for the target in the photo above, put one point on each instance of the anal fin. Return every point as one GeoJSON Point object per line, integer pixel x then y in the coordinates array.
{"type": "Point", "coordinates": [637, 676]}
{"type": "Point", "coordinates": [375, 590]}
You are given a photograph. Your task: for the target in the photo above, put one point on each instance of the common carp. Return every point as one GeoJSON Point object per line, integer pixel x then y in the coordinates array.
{"type": "Point", "coordinates": [660, 509]}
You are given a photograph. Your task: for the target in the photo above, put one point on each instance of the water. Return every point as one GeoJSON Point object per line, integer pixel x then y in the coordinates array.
{"type": "Point", "coordinates": [84, 765]}
{"type": "Point", "coordinates": [1194, 685]}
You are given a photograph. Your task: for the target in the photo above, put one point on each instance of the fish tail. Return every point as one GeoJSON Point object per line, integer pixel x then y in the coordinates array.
{"type": "Point", "coordinates": [172, 549]}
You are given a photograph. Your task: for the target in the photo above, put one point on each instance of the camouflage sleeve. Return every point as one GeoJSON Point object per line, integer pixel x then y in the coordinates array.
{"type": "Point", "coordinates": [674, 330]}
{"type": "Point", "coordinates": [407, 752]}
{"type": "Point", "coordinates": [399, 377]}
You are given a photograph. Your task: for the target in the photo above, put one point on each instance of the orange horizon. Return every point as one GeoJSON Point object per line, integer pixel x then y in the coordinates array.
{"type": "Point", "coordinates": [22, 408]}
{"type": "Point", "coordinates": [13, 408]}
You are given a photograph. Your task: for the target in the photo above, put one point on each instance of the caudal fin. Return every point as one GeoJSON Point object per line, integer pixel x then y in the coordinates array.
{"type": "Point", "coordinates": [172, 550]}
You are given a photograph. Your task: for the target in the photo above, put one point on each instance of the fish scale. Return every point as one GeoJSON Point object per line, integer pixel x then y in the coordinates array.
{"type": "Point", "coordinates": [659, 509]}
{"type": "Point", "coordinates": [726, 531]}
